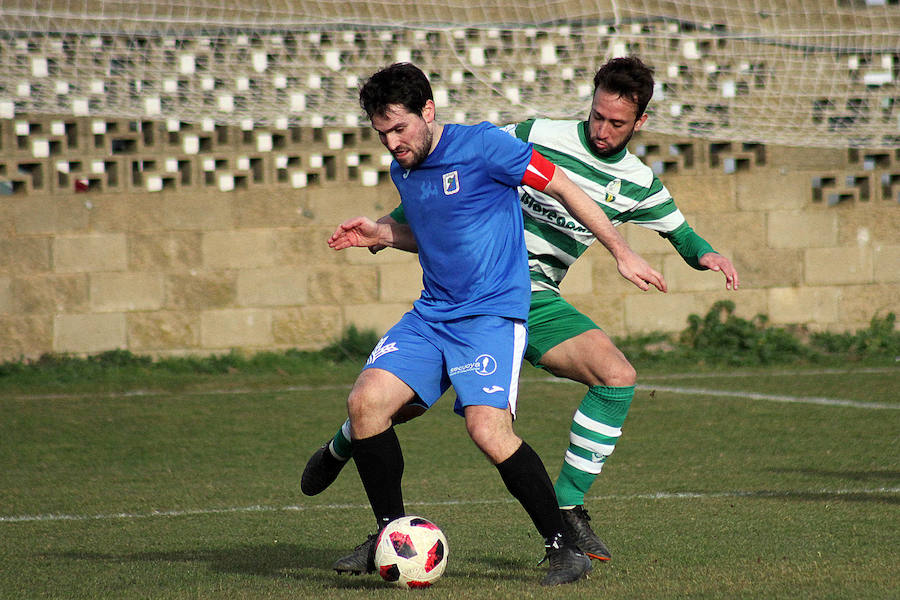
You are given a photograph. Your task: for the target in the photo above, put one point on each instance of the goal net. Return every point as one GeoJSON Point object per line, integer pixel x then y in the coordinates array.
{"type": "Point", "coordinates": [794, 72]}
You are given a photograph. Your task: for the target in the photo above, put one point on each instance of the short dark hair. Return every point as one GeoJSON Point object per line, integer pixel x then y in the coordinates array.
{"type": "Point", "coordinates": [400, 83]}
{"type": "Point", "coordinates": [628, 77]}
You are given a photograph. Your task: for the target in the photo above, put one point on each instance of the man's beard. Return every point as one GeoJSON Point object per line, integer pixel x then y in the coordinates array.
{"type": "Point", "coordinates": [421, 153]}
{"type": "Point", "coordinates": [614, 150]}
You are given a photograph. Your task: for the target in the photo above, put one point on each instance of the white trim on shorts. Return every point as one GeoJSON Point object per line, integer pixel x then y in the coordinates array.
{"type": "Point", "coordinates": [521, 339]}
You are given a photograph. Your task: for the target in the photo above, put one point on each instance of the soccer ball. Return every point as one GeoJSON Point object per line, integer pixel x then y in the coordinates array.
{"type": "Point", "coordinates": [411, 552]}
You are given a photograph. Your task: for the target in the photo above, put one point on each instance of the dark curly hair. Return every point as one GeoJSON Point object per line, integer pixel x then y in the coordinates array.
{"type": "Point", "coordinates": [400, 83]}
{"type": "Point", "coordinates": [628, 77]}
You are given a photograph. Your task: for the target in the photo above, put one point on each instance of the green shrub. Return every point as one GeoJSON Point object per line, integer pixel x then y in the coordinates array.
{"type": "Point", "coordinates": [881, 339]}
{"type": "Point", "coordinates": [723, 337]}
{"type": "Point", "coordinates": [354, 345]}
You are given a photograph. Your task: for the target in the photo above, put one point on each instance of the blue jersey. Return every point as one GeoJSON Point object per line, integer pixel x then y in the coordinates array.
{"type": "Point", "coordinates": [463, 209]}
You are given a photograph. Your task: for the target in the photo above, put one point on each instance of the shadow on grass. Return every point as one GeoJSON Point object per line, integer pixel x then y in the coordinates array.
{"type": "Point", "coordinates": [296, 562]}
{"type": "Point", "coordinates": [887, 479]}
{"type": "Point", "coordinates": [890, 477]}
{"type": "Point", "coordinates": [849, 496]}
{"type": "Point", "coordinates": [881, 495]}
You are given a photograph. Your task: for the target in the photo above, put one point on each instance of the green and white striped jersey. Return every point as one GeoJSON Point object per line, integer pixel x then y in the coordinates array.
{"type": "Point", "coordinates": [624, 187]}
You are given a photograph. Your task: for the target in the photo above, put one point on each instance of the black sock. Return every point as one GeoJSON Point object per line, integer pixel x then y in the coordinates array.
{"type": "Point", "coordinates": [379, 461]}
{"type": "Point", "coordinates": [527, 480]}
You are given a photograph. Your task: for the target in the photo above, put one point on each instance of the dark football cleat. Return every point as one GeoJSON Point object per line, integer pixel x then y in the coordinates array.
{"type": "Point", "coordinates": [361, 560]}
{"type": "Point", "coordinates": [567, 564]}
{"type": "Point", "coordinates": [320, 472]}
{"type": "Point", "coordinates": [579, 529]}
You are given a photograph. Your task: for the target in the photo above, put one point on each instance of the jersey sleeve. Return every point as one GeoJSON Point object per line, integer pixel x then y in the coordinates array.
{"type": "Point", "coordinates": [523, 129]}
{"type": "Point", "coordinates": [688, 244]}
{"type": "Point", "coordinates": [665, 219]}
{"type": "Point", "coordinates": [507, 156]}
{"type": "Point", "coordinates": [398, 215]}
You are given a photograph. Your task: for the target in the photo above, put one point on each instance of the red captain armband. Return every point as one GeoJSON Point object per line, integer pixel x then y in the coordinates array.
{"type": "Point", "coordinates": [539, 172]}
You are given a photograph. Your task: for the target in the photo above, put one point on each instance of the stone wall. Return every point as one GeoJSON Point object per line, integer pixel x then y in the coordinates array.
{"type": "Point", "coordinates": [185, 241]}
{"type": "Point", "coordinates": [823, 257]}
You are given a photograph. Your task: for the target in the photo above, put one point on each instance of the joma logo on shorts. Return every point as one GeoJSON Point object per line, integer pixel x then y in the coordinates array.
{"type": "Point", "coordinates": [381, 349]}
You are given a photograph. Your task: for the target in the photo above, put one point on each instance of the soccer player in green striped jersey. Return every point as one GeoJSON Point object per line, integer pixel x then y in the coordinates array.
{"type": "Point", "coordinates": [562, 340]}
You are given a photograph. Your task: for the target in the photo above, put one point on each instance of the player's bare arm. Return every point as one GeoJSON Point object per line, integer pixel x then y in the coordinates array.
{"type": "Point", "coordinates": [403, 237]}
{"type": "Point", "coordinates": [630, 265]}
{"type": "Point", "coordinates": [363, 232]}
{"type": "Point", "coordinates": [717, 262]}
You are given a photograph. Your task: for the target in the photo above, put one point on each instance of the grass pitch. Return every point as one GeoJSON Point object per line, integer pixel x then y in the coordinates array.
{"type": "Point", "coordinates": [749, 484]}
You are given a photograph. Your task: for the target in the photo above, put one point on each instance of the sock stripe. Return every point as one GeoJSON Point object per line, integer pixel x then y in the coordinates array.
{"type": "Point", "coordinates": [597, 426]}
{"type": "Point", "coordinates": [591, 446]}
{"type": "Point", "coordinates": [589, 434]}
{"type": "Point", "coordinates": [583, 464]}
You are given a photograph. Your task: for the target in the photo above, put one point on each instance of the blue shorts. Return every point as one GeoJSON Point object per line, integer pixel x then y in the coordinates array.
{"type": "Point", "coordinates": [479, 356]}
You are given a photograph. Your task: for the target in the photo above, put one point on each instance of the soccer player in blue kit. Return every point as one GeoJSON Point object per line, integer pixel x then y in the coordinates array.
{"type": "Point", "coordinates": [457, 186]}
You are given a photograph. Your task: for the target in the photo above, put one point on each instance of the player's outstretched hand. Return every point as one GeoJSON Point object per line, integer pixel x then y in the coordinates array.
{"type": "Point", "coordinates": [356, 232]}
{"type": "Point", "coordinates": [717, 262]}
{"type": "Point", "coordinates": [636, 270]}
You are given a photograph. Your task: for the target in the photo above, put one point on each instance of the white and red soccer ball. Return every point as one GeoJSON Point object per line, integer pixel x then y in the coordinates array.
{"type": "Point", "coordinates": [411, 552]}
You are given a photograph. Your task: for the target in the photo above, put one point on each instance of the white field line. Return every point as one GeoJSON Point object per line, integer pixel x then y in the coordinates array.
{"type": "Point", "coordinates": [781, 373]}
{"type": "Point", "coordinates": [748, 395]}
{"type": "Point", "coordinates": [770, 397]}
{"type": "Point", "coordinates": [676, 390]}
{"type": "Point", "coordinates": [824, 493]}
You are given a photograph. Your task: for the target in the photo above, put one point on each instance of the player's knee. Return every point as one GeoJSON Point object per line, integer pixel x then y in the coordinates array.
{"type": "Point", "coordinates": [622, 375]}
{"type": "Point", "coordinates": [361, 402]}
{"type": "Point", "coordinates": [493, 436]}
{"type": "Point", "coordinates": [494, 448]}
{"type": "Point", "coordinates": [477, 431]}
{"type": "Point", "coordinates": [613, 371]}
{"type": "Point", "coordinates": [481, 424]}
{"type": "Point", "coordinates": [356, 407]}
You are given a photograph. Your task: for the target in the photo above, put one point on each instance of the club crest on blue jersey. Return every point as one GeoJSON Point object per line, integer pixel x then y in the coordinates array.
{"type": "Point", "coordinates": [451, 183]}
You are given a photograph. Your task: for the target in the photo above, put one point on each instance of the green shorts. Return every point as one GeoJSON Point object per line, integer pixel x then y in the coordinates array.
{"type": "Point", "coordinates": [551, 321]}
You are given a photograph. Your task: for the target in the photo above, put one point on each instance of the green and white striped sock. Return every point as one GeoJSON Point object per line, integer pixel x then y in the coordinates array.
{"type": "Point", "coordinates": [592, 438]}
